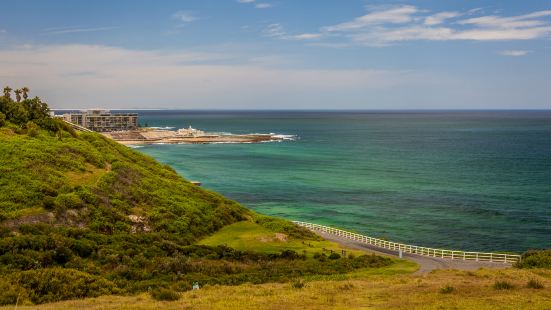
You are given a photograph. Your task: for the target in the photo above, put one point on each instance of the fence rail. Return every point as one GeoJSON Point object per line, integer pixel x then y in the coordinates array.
{"type": "Point", "coordinates": [413, 249]}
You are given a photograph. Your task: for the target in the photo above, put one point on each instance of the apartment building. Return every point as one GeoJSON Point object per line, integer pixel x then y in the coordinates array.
{"type": "Point", "coordinates": [103, 120]}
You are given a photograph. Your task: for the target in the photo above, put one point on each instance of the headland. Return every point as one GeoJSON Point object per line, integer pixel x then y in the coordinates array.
{"type": "Point", "coordinates": [187, 135]}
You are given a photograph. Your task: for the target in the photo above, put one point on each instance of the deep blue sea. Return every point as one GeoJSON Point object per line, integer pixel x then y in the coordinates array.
{"type": "Point", "coordinates": [477, 180]}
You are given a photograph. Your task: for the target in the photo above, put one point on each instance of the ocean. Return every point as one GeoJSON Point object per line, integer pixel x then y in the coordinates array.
{"type": "Point", "coordinates": [467, 180]}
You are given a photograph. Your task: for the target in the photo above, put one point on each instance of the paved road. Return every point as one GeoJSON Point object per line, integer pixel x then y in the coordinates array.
{"type": "Point", "coordinates": [426, 263]}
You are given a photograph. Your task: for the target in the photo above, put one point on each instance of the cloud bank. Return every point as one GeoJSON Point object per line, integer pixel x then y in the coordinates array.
{"type": "Point", "coordinates": [116, 77]}
{"type": "Point", "coordinates": [384, 26]}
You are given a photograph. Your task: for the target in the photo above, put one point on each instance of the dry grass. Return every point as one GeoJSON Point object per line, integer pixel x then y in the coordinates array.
{"type": "Point", "coordinates": [472, 290]}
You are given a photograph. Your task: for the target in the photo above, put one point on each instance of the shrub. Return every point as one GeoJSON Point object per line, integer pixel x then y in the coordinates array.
{"type": "Point", "coordinates": [2, 119]}
{"type": "Point", "coordinates": [347, 286]}
{"type": "Point", "coordinates": [535, 259]}
{"type": "Point", "coordinates": [289, 254]}
{"type": "Point", "coordinates": [334, 256]}
{"type": "Point", "coordinates": [55, 284]}
{"type": "Point", "coordinates": [164, 294]}
{"type": "Point", "coordinates": [62, 255]}
{"type": "Point", "coordinates": [11, 294]}
{"type": "Point", "coordinates": [298, 284]}
{"type": "Point", "coordinates": [503, 285]}
{"type": "Point", "coordinates": [48, 203]}
{"type": "Point", "coordinates": [448, 289]}
{"type": "Point", "coordinates": [535, 284]}
{"type": "Point", "coordinates": [68, 201]}
{"type": "Point", "coordinates": [32, 129]}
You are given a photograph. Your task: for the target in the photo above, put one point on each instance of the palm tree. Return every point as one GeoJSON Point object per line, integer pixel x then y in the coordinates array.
{"type": "Point", "coordinates": [18, 95]}
{"type": "Point", "coordinates": [25, 91]}
{"type": "Point", "coordinates": [7, 92]}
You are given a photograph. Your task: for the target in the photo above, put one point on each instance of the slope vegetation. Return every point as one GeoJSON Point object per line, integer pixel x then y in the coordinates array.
{"type": "Point", "coordinates": [82, 216]}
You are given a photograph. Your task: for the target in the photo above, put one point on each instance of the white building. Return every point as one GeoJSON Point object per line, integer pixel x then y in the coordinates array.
{"type": "Point", "coordinates": [103, 120]}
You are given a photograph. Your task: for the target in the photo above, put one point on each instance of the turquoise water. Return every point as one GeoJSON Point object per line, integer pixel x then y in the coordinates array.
{"type": "Point", "coordinates": [463, 180]}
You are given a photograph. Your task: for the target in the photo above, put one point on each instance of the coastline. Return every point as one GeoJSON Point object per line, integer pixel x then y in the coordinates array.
{"type": "Point", "coordinates": [162, 136]}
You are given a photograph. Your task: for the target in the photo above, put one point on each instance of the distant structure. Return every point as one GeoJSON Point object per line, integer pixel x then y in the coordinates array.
{"type": "Point", "coordinates": [103, 120]}
{"type": "Point", "coordinates": [190, 132]}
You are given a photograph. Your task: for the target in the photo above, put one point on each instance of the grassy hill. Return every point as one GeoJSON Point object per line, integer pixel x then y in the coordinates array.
{"type": "Point", "coordinates": [83, 216]}
{"type": "Point", "coordinates": [90, 181]}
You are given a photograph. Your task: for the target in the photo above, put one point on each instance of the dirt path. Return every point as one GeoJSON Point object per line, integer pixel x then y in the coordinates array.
{"type": "Point", "coordinates": [426, 263]}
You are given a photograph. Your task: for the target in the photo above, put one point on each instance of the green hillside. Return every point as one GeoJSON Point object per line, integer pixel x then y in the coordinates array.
{"type": "Point", "coordinates": [83, 216]}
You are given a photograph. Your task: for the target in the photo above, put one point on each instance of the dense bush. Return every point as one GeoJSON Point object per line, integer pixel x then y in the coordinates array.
{"type": "Point", "coordinates": [448, 289]}
{"type": "Point", "coordinates": [47, 285]}
{"type": "Point", "coordinates": [535, 284]}
{"type": "Point", "coordinates": [32, 129]}
{"type": "Point", "coordinates": [535, 259]}
{"type": "Point", "coordinates": [164, 294]}
{"type": "Point", "coordinates": [136, 262]}
{"type": "Point", "coordinates": [503, 285]}
{"type": "Point", "coordinates": [20, 113]}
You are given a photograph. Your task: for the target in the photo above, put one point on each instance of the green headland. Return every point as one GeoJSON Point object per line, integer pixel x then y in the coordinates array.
{"type": "Point", "coordinates": [86, 222]}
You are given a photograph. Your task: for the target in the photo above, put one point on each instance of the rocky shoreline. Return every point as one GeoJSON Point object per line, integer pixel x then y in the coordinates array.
{"type": "Point", "coordinates": [161, 136]}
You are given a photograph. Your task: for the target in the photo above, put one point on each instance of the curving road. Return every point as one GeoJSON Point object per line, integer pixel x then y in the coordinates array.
{"type": "Point", "coordinates": [426, 263]}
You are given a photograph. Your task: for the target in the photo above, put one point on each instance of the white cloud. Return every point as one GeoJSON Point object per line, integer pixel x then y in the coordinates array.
{"type": "Point", "coordinates": [185, 16]}
{"type": "Point", "coordinates": [121, 78]}
{"type": "Point", "coordinates": [388, 26]}
{"type": "Point", "coordinates": [330, 45]}
{"type": "Point", "coordinates": [75, 29]}
{"type": "Point", "coordinates": [276, 30]}
{"type": "Point", "coordinates": [514, 53]}
{"type": "Point", "coordinates": [439, 18]}
{"type": "Point", "coordinates": [245, 1]}
{"type": "Point", "coordinates": [395, 15]}
{"type": "Point", "coordinates": [475, 11]}
{"type": "Point", "coordinates": [263, 6]}
{"type": "Point", "coordinates": [522, 21]}
{"type": "Point", "coordinates": [307, 36]}
{"type": "Point", "coordinates": [3, 31]}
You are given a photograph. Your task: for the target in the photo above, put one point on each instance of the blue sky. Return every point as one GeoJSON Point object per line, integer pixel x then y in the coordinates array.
{"type": "Point", "coordinates": [279, 54]}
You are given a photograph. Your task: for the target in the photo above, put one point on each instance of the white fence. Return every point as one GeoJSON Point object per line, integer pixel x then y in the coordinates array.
{"type": "Point", "coordinates": [413, 249]}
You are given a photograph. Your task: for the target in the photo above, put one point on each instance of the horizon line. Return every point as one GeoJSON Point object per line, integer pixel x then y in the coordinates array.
{"type": "Point", "coordinates": [314, 110]}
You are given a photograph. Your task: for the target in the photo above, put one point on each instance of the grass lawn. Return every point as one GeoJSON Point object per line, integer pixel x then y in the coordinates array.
{"type": "Point", "coordinates": [250, 236]}
{"type": "Point", "coordinates": [253, 237]}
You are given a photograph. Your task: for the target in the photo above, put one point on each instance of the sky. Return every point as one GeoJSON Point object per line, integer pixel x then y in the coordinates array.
{"type": "Point", "coordinates": [279, 54]}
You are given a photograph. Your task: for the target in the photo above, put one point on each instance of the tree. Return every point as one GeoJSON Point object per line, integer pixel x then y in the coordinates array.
{"type": "Point", "coordinates": [2, 119]}
{"type": "Point", "coordinates": [18, 95]}
{"type": "Point", "coordinates": [17, 114]}
{"type": "Point", "coordinates": [25, 91]}
{"type": "Point", "coordinates": [7, 92]}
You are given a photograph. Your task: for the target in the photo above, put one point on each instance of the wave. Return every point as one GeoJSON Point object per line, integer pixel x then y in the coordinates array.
{"type": "Point", "coordinates": [163, 128]}
{"type": "Point", "coordinates": [284, 137]}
